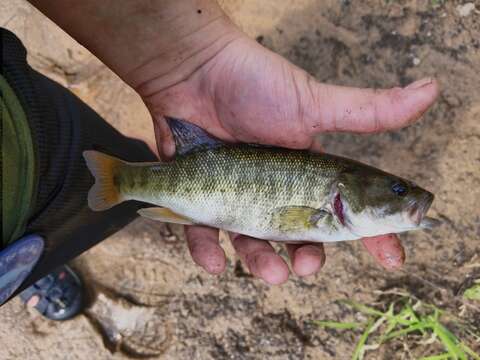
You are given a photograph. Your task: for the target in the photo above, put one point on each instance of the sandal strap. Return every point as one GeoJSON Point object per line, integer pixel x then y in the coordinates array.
{"type": "Point", "coordinates": [56, 292]}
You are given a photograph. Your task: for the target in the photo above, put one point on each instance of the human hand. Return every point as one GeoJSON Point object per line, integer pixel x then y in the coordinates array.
{"type": "Point", "coordinates": [247, 93]}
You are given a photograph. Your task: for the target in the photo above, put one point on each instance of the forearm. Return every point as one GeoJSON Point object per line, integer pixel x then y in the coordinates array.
{"type": "Point", "coordinates": [145, 39]}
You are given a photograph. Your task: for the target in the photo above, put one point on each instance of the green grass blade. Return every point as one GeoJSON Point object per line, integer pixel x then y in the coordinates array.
{"type": "Point", "coordinates": [415, 327]}
{"type": "Point", "coordinates": [449, 341]}
{"type": "Point", "coordinates": [412, 313]}
{"type": "Point", "coordinates": [473, 354]}
{"type": "Point", "coordinates": [338, 325]}
{"type": "Point", "coordinates": [358, 353]}
{"type": "Point", "coordinates": [391, 325]}
{"type": "Point", "coordinates": [405, 317]}
{"type": "Point", "coordinates": [392, 322]}
{"type": "Point", "coordinates": [379, 321]}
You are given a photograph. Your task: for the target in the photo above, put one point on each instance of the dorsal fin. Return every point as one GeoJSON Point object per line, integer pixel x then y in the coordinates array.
{"type": "Point", "coordinates": [189, 137]}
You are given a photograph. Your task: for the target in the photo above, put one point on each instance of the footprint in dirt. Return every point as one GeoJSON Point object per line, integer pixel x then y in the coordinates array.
{"type": "Point", "coordinates": [133, 329]}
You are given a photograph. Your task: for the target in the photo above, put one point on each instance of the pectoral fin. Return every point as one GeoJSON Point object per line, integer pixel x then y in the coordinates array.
{"type": "Point", "coordinates": [297, 218]}
{"type": "Point", "coordinates": [164, 215]}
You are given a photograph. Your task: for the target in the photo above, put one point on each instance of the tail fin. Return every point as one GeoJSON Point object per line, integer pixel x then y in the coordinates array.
{"type": "Point", "coordinates": [104, 193]}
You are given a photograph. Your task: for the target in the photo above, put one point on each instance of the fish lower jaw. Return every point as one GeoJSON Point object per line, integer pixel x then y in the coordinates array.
{"type": "Point", "coordinates": [367, 225]}
{"type": "Point", "coordinates": [378, 230]}
{"type": "Point", "coordinates": [415, 215]}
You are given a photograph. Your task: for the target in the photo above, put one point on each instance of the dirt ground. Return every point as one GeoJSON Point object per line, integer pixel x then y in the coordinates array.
{"type": "Point", "coordinates": [149, 299]}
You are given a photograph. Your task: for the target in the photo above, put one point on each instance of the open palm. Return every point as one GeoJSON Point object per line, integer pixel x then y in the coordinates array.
{"type": "Point", "coordinates": [247, 93]}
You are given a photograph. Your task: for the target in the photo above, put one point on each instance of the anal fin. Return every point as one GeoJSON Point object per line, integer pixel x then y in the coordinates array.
{"type": "Point", "coordinates": [164, 215]}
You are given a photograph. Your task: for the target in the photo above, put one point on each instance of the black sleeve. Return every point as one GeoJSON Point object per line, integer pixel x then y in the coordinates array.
{"type": "Point", "coordinates": [62, 128]}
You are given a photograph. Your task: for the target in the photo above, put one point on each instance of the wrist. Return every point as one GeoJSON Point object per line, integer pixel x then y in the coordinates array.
{"type": "Point", "coordinates": [176, 61]}
{"type": "Point", "coordinates": [151, 44]}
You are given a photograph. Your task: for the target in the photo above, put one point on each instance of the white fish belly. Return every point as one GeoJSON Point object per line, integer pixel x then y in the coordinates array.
{"type": "Point", "coordinates": [243, 216]}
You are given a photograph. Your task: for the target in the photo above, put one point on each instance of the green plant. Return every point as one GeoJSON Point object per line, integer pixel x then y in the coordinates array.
{"type": "Point", "coordinates": [473, 292]}
{"type": "Point", "coordinates": [404, 316]}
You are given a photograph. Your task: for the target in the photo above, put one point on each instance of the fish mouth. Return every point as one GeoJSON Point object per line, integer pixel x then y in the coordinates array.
{"type": "Point", "coordinates": [338, 208]}
{"type": "Point", "coordinates": [417, 211]}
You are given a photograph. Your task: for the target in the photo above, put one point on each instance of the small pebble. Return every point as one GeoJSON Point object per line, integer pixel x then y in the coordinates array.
{"type": "Point", "coordinates": [416, 61]}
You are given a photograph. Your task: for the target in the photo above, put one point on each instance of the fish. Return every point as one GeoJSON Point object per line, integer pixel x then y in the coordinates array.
{"type": "Point", "coordinates": [265, 192]}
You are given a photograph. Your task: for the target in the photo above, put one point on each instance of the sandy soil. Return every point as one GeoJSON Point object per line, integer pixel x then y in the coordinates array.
{"type": "Point", "coordinates": [149, 299]}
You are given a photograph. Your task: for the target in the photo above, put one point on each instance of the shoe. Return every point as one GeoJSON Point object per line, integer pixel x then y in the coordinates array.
{"type": "Point", "coordinates": [57, 296]}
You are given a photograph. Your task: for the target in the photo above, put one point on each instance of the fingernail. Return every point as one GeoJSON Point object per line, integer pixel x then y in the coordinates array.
{"type": "Point", "coordinates": [393, 260]}
{"type": "Point", "coordinates": [419, 83]}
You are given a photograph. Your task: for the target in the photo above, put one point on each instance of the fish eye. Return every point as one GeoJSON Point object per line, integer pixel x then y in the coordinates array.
{"type": "Point", "coordinates": [399, 189]}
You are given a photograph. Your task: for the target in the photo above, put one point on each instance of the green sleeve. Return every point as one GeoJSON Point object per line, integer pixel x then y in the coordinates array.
{"type": "Point", "coordinates": [18, 165]}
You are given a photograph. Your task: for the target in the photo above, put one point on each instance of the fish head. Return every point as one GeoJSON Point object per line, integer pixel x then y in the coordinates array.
{"type": "Point", "coordinates": [371, 202]}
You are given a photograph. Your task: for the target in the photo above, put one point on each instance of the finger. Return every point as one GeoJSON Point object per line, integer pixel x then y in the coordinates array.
{"type": "Point", "coordinates": [386, 249]}
{"type": "Point", "coordinates": [260, 258]}
{"type": "Point", "coordinates": [164, 137]}
{"type": "Point", "coordinates": [204, 247]}
{"type": "Point", "coordinates": [306, 259]}
{"type": "Point", "coordinates": [341, 108]}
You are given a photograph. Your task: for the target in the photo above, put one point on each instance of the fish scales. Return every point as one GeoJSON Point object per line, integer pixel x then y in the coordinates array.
{"type": "Point", "coordinates": [235, 185]}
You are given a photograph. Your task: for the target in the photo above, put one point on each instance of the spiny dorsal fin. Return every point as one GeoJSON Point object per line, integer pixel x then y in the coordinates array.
{"type": "Point", "coordinates": [189, 137]}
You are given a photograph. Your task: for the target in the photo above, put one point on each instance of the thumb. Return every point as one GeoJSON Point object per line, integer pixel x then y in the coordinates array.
{"type": "Point", "coordinates": [341, 108]}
